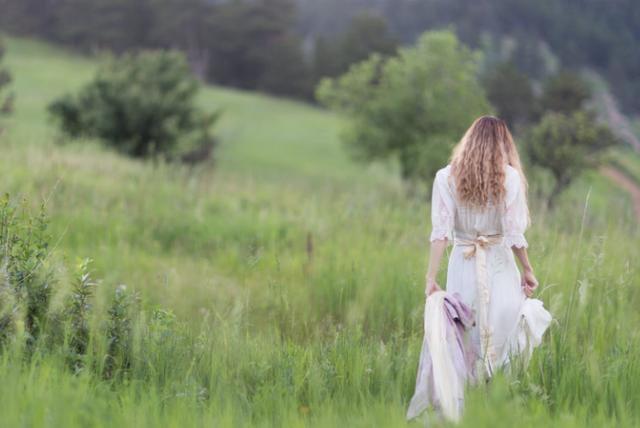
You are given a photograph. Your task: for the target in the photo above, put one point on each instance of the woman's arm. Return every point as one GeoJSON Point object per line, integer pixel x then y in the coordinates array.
{"type": "Point", "coordinates": [529, 281]}
{"type": "Point", "coordinates": [435, 256]}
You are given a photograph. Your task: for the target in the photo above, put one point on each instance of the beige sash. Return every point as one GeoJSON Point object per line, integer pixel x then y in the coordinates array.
{"type": "Point", "coordinates": [477, 247]}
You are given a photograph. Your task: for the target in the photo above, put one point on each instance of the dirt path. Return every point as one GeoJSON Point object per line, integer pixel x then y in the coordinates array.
{"type": "Point", "coordinates": [626, 183]}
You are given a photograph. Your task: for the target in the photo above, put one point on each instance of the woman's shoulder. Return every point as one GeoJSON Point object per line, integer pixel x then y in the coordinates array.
{"type": "Point", "coordinates": [512, 180]}
{"type": "Point", "coordinates": [511, 174]}
{"type": "Point", "coordinates": [443, 172]}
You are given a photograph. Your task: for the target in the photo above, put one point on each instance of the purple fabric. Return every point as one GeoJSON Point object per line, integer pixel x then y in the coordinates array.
{"type": "Point", "coordinates": [461, 318]}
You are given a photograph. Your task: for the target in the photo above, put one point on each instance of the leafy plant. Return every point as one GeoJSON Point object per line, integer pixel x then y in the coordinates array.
{"type": "Point", "coordinates": [24, 242]}
{"type": "Point", "coordinates": [412, 107]}
{"type": "Point", "coordinates": [564, 92]}
{"type": "Point", "coordinates": [511, 93]}
{"type": "Point", "coordinates": [6, 99]}
{"type": "Point", "coordinates": [566, 145]}
{"type": "Point", "coordinates": [78, 306]}
{"type": "Point", "coordinates": [119, 329]}
{"type": "Point", "coordinates": [141, 104]}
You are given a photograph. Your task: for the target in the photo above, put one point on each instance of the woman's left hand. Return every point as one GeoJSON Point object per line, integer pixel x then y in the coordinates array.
{"type": "Point", "coordinates": [529, 283]}
{"type": "Point", "coordinates": [432, 287]}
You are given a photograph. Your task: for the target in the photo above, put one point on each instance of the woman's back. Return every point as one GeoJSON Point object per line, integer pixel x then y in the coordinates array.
{"type": "Point", "coordinates": [454, 219]}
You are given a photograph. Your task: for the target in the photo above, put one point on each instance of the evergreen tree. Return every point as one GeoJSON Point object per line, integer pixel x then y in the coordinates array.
{"type": "Point", "coordinates": [565, 92]}
{"type": "Point", "coordinates": [6, 98]}
{"type": "Point", "coordinates": [511, 93]}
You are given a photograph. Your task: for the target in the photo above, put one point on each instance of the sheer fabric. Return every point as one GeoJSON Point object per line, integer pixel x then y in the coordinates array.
{"type": "Point", "coordinates": [514, 323]}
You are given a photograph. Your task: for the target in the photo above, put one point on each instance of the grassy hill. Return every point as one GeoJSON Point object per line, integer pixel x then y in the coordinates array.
{"type": "Point", "coordinates": [299, 276]}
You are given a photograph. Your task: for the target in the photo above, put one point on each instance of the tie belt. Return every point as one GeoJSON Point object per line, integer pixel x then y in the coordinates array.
{"type": "Point", "coordinates": [477, 247]}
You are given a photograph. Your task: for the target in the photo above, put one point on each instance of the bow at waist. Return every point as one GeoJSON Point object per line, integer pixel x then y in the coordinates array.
{"type": "Point", "coordinates": [477, 243]}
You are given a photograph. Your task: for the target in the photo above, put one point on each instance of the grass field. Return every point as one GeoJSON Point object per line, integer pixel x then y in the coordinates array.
{"type": "Point", "coordinates": [295, 276]}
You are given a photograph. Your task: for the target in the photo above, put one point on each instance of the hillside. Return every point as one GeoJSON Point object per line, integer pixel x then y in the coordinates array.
{"type": "Point", "coordinates": [300, 273]}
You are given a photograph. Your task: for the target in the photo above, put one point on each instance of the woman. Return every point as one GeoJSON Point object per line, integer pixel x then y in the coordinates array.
{"type": "Point", "coordinates": [479, 204]}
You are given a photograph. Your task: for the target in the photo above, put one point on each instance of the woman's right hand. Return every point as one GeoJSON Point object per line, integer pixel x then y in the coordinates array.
{"type": "Point", "coordinates": [432, 287]}
{"type": "Point", "coordinates": [529, 282]}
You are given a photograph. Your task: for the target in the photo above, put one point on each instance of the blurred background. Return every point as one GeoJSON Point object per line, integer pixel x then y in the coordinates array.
{"type": "Point", "coordinates": [258, 174]}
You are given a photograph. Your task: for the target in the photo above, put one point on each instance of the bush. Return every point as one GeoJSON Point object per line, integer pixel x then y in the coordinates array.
{"type": "Point", "coordinates": [564, 92]}
{"type": "Point", "coordinates": [141, 104]}
{"type": "Point", "coordinates": [566, 145]}
{"type": "Point", "coordinates": [28, 322]}
{"type": "Point", "coordinates": [412, 107]}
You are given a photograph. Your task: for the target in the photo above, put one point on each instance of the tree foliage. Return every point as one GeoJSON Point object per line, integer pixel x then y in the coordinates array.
{"type": "Point", "coordinates": [565, 92]}
{"type": "Point", "coordinates": [6, 98]}
{"type": "Point", "coordinates": [511, 93]}
{"type": "Point", "coordinates": [367, 33]}
{"type": "Point", "coordinates": [566, 145]}
{"type": "Point", "coordinates": [591, 33]}
{"type": "Point", "coordinates": [413, 106]}
{"type": "Point", "coordinates": [141, 104]}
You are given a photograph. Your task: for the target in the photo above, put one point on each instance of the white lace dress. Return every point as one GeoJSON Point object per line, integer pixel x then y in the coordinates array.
{"type": "Point", "coordinates": [507, 322]}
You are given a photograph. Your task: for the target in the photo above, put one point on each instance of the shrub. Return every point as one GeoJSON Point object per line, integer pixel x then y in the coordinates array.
{"type": "Point", "coordinates": [412, 107]}
{"type": "Point", "coordinates": [27, 285]}
{"type": "Point", "coordinates": [566, 145]}
{"type": "Point", "coordinates": [77, 310]}
{"type": "Point", "coordinates": [141, 104]}
{"type": "Point", "coordinates": [119, 334]}
{"type": "Point", "coordinates": [564, 92]}
{"type": "Point", "coordinates": [27, 280]}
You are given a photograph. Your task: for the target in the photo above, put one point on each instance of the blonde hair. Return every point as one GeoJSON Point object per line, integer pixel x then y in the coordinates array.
{"type": "Point", "coordinates": [479, 162]}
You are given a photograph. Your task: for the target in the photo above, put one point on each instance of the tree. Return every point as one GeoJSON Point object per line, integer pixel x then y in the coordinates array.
{"type": "Point", "coordinates": [252, 45]}
{"type": "Point", "coordinates": [117, 25]}
{"type": "Point", "coordinates": [367, 33]}
{"type": "Point", "coordinates": [6, 99]}
{"type": "Point", "coordinates": [413, 106]}
{"type": "Point", "coordinates": [565, 92]}
{"type": "Point", "coordinates": [510, 92]}
{"type": "Point", "coordinates": [141, 104]}
{"type": "Point", "coordinates": [566, 145]}
{"type": "Point", "coordinates": [183, 25]}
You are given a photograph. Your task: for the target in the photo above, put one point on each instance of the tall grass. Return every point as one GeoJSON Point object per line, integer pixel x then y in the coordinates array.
{"type": "Point", "coordinates": [285, 288]}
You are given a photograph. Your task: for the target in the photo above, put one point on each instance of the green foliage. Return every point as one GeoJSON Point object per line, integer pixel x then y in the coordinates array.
{"type": "Point", "coordinates": [141, 104]}
{"type": "Point", "coordinates": [263, 335]}
{"type": "Point", "coordinates": [567, 145]}
{"type": "Point", "coordinates": [114, 24]}
{"type": "Point", "coordinates": [366, 34]}
{"type": "Point", "coordinates": [413, 106]}
{"type": "Point", "coordinates": [580, 34]}
{"type": "Point", "coordinates": [118, 332]}
{"type": "Point", "coordinates": [6, 99]}
{"type": "Point", "coordinates": [24, 242]}
{"type": "Point", "coordinates": [511, 93]}
{"type": "Point", "coordinates": [564, 92]}
{"type": "Point", "coordinates": [252, 46]}
{"type": "Point", "coordinates": [78, 308]}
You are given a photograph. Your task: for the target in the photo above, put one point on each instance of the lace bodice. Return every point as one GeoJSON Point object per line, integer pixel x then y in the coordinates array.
{"type": "Point", "coordinates": [450, 218]}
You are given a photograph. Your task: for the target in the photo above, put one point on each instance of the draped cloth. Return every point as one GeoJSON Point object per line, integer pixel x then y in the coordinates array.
{"type": "Point", "coordinates": [446, 358]}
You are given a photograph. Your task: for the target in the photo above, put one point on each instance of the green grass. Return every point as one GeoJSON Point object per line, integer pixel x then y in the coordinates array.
{"type": "Point", "coordinates": [271, 333]}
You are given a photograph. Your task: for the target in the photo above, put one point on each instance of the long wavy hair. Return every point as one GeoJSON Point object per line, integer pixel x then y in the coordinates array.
{"type": "Point", "coordinates": [479, 160]}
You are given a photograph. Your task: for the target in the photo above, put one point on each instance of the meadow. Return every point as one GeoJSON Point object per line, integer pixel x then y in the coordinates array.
{"type": "Point", "coordinates": [291, 278]}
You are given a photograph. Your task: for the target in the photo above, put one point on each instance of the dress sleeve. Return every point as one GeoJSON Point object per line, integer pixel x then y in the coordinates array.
{"type": "Point", "coordinates": [515, 218]}
{"type": "Point", "coordinates": [442, 208]}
